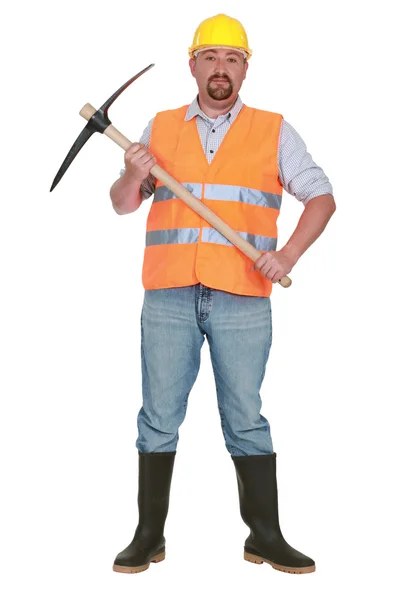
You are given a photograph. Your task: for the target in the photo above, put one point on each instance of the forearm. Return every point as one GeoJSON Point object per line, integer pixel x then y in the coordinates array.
{"type": "Point", "coordinates": [312, 223]}
{"type": "Point", "coordinates": [125, 194]}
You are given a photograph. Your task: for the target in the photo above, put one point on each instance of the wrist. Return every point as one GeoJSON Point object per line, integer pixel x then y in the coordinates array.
{"type": "Point", "coordinates": [132, 178]}
{"type": "Point", "coordinates": [292, 253]}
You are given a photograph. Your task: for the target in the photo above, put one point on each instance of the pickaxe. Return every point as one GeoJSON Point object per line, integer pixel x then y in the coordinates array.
{"type": "Point", "coordinates": [98, 121]}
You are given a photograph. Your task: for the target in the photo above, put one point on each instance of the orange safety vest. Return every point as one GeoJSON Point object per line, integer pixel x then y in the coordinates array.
{"type": "Point", "coordinates": [241, 186]}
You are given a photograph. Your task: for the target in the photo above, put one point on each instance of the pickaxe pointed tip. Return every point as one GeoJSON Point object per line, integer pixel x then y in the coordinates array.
{"type": "Point", "coordinates": [53, 185]}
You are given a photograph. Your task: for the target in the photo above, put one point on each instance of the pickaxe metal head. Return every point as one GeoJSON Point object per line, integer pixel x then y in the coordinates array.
{"type": "Point", "coordinates": [97, 123]}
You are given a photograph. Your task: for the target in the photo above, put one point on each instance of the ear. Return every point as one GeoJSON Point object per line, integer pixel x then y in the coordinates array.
{"type": "Point", "coordinates": [192, 65]}
{"type": "Point", "coordinates": [246, 66]}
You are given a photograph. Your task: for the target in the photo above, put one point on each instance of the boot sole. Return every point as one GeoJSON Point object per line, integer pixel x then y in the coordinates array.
{"type": "Point", "coordinates": [140, 568]}
{"type": "Point", "coordinates": [253, 558]}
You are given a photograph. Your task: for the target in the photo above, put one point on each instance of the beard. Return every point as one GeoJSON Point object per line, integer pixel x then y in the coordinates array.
{"type": "Point", "coordinates": [219, 91]}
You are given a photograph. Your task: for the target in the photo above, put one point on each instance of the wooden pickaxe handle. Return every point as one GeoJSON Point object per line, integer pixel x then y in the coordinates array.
{"type": "Point", "coordinates": [181, 192]}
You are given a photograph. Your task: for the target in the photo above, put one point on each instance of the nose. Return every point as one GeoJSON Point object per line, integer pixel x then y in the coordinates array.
{"type": "Point", "coordinates": [219, 65]}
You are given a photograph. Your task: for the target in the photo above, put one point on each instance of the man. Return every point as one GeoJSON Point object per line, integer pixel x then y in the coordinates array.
{"type": "Point", "coordinates": [237, 160]}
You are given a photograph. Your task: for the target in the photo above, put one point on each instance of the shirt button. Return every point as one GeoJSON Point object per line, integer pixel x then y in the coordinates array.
{"type": "Point", "coordinates": [211, 151]}
{"type": "Point", "coordinates": [213, 130]}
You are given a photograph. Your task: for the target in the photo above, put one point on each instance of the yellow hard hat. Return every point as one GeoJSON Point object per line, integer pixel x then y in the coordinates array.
{"type": "Point", "coordinates": [220, 31]}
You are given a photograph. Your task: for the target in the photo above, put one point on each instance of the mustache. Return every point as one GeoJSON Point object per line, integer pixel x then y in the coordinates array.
{"type": "Point", "coordinates": [219, 76]}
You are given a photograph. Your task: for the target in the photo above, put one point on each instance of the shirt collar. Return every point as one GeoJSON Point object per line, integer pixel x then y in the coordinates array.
{"type": "Point", "coordinates": [194, 110]}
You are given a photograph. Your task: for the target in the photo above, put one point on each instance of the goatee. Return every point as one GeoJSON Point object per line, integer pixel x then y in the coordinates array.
{"type": "Point", "coordinates": [219, 92]}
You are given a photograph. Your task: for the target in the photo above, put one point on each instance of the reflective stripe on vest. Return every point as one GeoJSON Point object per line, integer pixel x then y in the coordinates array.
{"type": "Point", "coordinates": [163, 193]}
{"type": "Point", "coordinates": [209, 234]}
{"type": "Point", "coordinates": [232, 193]}
{"type": "Point", "coordinates": [172, 236]}
{"type": "Point", "coordinates": [236, 193]}
{"type": "Point", "coordinates": [261, 242]}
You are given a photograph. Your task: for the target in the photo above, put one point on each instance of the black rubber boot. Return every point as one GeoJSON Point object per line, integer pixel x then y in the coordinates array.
{"type": "Point", "coordinates": [148, 544]}
{"type": "Point", "coordinates": [258, 498]}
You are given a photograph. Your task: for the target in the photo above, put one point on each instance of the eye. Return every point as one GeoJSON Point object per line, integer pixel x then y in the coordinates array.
{"type": "Point", "coordinates": [210, 57]}
{"type": "Point", "coordinates": [232, 60]}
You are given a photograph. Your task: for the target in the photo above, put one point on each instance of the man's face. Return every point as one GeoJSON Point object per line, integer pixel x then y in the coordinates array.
{"type": "Point", "coordinates": [219, 73]}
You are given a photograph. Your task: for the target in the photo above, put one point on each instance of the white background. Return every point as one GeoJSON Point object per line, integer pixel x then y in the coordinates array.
{"type": "Point", "coordinates": [71, 296]}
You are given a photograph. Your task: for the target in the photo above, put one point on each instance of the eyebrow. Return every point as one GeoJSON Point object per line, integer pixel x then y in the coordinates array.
{"type": "Point", "coordinates": [230, 52]}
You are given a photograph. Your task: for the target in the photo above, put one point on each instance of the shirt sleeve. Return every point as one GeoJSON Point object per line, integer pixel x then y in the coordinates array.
{"type": "Point", "coordinates": [149, 184]}
{"type": "Point", "coordinates": [299, 174]}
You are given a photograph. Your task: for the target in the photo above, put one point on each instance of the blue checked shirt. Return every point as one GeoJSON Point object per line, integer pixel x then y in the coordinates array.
{"type": "Point", "coordinates": [298, 173]}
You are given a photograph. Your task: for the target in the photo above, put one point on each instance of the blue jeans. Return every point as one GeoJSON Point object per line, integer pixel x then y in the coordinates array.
{"type": "Point", "coordinates": [174, 322]}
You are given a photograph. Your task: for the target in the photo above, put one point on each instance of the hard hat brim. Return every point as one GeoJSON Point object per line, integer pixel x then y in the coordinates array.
{"type": "Point", "coordinates": [194, 51]}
